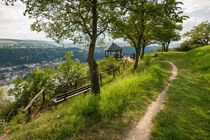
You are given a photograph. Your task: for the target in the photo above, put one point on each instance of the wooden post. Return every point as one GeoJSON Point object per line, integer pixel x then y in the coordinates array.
{"type": "Point", "coordinates": [88, 79]}
{"type": "Point", "coordinates": [65, 97]}
{"type": "Point", "coordinates": [101, 79]}
{"type": "Point", "coordinates": [29, 113]}
{"type": "Point", "coordinates": [123, 65]}
{"type": "Point", "coordinates": [43, 97]}
{"type": "Point", "coordinates": [75, 84]}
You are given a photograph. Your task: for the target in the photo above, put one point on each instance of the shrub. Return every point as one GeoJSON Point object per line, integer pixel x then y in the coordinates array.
{"type": "Point", "coordinates": [189, 45]}
{"type": "Point", "coordinates": [185, 46]}
{"type": "Point", "coordinates": [107, 64]}
{"type": "Point", "coordinates": [70, 70]}
{"type": "Point", "coordinates": [4, 105]}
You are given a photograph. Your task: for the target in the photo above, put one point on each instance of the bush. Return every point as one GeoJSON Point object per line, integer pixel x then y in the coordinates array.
{"type": "Point", "coordinates": [4, 105]}
{"type": "Point", "coordinates": [185, 46]}
{"type": "Point", "coordinates": [107, 64]}
{"type": "Point", "coordinates": [189, 45]}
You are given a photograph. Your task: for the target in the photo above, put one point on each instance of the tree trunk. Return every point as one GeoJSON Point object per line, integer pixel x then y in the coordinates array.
{"type": "Point", "coordinates": [142, 53]}
{"type": "Point", "coordinates": [94, 78]}
{"type": "Point", "coordinates": [93, 67]}
{"type": "Point", "coordinates": [163, 47]}
{"type": "Point", "coordinates": [167, 46]}
{"type": "Point", "coordinates": [138, 50]}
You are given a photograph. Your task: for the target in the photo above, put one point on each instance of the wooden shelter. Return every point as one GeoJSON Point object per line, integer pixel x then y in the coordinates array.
{"type": "Point", "coordinates": [113, 48]}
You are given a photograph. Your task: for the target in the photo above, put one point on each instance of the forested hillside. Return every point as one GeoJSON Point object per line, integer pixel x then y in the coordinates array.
{"type": "Point", "coordinates": [11, 56]}
{"type": "Point", "coordinates": [20, 56]}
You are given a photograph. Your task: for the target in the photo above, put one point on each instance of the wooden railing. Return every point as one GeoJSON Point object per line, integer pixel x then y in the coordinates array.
{"type": "Point", "coordinates": [74, 92]}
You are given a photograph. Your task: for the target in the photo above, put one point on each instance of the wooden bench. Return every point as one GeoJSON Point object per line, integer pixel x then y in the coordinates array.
{"type": "Point", "coordinates": [72, 93]}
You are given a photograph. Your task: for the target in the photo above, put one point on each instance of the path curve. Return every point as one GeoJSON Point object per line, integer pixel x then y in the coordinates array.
{"type": "Point", "coordinates": [142, 131]}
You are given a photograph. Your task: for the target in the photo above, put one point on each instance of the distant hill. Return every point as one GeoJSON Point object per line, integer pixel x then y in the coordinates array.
{"type": "Point", "coordinates": [17, 52]}
{"type": "Point", "coordinates": [24, 43]}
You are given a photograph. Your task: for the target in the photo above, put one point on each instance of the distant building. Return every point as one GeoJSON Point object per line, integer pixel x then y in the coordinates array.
{"type": "Point", "coordinates": [114, 48]}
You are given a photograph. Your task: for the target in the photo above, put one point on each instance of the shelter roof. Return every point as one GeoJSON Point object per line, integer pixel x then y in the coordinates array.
{"type": "Point", "coordinates": [113, 47]}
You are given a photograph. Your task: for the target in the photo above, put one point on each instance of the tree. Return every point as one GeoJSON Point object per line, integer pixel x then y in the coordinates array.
{"type": "Point", "coordinates": [166, 32]}
{"type": "Point", "coordinates": [70, 70]}
{"type": "Point", "coordinates": [131, 20]}
{"type": "Point", "coordinates": [169, 23]}
{"type": "Point", "coordinates": [147, 39]}
{"type": "Point", "coordinates": [200, 33]}
{"type": "Point", "coordinates": [82, 21]}
{"type": "Point", "coordinates": [136, 20]}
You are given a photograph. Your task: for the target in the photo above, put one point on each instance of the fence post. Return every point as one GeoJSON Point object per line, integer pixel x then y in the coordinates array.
{"type": "Point", "coordinates": [65, 97]}
{"type": "Point", "coordinates": [43, 97]}
{"type": "Point", "coordinates": [75, 84]}
{"type": "Point", "coordinates": [88, 79]}
{"type": "Point", "coordinates": [100, 78]}
{"type": "Point", "coordinates": [29, 113]}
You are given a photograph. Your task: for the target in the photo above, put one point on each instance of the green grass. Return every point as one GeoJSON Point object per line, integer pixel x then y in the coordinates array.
{"type": "Point", "coordinates": [186, 115]}
{"type": "Point", "coordinates": [105, 116]}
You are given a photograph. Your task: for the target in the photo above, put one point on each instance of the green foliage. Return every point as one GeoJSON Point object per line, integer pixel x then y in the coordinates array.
{"type": "Point", "coordinates": [25, 90]}
{"type": "Point", "coordinates": [3, 102]}
{"type": "Point", "coordinates": [188, 45]}
{"type": "Point", "coordinates": [197, 37]}
{"type": "Point", "coordinates": [139, 21]}
{"type": "Point", "coordinates": [200, 34]}
{"type": "Point", "coordinates": [70, 70]}
{"type": "Point", "coordinates": [186, 114]}
{"type": "Point", "coordinates": [185, 46]}
{"type": "Point", "coordinates": [105, 115]}
{"type": "Point", "coordinates": [80, 21]}
{"type": "Point", "coordinates": [107, 64]}
{"type": "Point", "coordinates": [71, 19]}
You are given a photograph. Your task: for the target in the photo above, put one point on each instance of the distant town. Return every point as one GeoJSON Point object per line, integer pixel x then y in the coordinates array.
{"type": "Point", "coordinates": [8, 74]}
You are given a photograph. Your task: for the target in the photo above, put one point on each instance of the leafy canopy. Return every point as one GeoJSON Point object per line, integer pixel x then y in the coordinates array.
{"type": "Point", "coordinates": [64, 19]}
{"type": "Point", "coordinates": [200, 33]}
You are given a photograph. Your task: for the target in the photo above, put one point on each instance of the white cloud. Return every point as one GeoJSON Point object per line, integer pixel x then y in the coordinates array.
{"type": "Point", "coordinates": [194, 5]}
{"type": "Point", "coordinates": [197, 10]}
{"type": "Point", "coordinates": [14, 25]}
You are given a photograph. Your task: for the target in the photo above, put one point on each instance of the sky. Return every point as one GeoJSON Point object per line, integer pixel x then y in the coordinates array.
{"type": "Point", "coordinates": [14, 25]}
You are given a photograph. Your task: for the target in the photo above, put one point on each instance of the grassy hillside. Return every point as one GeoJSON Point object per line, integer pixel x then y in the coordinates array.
{"type": "Point", "coordinates": [104, 116]}
{"type": "Point", "coordinates": [124, 100]}
{"type": "Point", "coordinates": [186, 114]}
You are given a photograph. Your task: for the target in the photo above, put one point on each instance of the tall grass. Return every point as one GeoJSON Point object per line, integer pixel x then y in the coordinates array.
{"type": "Point", "coordinates": [186, 114]}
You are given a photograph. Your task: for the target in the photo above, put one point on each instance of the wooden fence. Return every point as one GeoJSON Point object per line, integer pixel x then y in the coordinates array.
{"type": "Point", "coordinates": [74, 92]}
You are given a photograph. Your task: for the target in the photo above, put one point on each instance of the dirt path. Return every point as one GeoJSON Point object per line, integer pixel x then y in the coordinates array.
{"type": "Point", "coordinates": [142, 131]}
